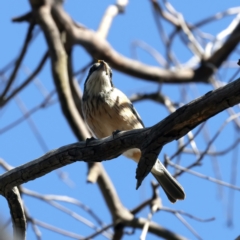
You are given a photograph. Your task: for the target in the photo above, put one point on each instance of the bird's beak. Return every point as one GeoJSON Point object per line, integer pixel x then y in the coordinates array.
{"type": "Point", "coordinates": [104, 65]}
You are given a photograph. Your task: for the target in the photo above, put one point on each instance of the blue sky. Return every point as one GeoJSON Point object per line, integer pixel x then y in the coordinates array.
{"type": "Point", "coordinates": [19, 145]}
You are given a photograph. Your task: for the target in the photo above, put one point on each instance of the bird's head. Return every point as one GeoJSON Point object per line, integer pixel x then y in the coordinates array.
{"type": "Point", "coordinates": [99, 78]}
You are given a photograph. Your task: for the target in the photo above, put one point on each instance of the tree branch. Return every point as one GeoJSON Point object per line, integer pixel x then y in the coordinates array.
{"type": "Point", "coordinates": [155, 229]}
{"type": "Point", "coordinates": [185, 119]}
{"type": "Point", "coordinates": [99, 48]}
{"type": "Point", "coordinates": [59, 69]}
{"type": "Point", "coordinates": [61, 78]}
{"type": "Point", "coordinates": [27, 81]}
{"type": "Point", "coordinates": [17, 213]}
{"type": "Point", "coordinates": [19, 60]}
{"type": "Point", "coordinates": [171, 128]}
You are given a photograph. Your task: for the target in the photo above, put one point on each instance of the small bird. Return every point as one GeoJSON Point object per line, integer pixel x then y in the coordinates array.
{"type": "Point", "coordinates": [106, 109]}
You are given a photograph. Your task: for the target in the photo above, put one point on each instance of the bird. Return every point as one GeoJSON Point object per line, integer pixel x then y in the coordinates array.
{"type": "Point", "coordinates": [106, 110]}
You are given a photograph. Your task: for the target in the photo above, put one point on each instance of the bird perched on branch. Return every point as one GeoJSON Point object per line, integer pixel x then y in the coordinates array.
{"type": "Point", "coordinates": [106, 109]}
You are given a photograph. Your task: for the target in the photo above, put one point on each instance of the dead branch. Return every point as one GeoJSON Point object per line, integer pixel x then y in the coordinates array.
{"type": "Point", "coordinates": [99, 48]}
{"type": "Point", "coordinates": [150, 140]}
{"type": "Point", "coordinates": [17, 213]}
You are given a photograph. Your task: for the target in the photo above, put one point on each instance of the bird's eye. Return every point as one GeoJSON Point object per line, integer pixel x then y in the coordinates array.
{"type": "Point", "coordinates": [110, 71]}
{"type": "Point", "coordinates": [93, 68]}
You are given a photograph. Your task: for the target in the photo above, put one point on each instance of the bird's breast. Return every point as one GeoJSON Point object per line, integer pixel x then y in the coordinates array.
{"type": "Point", "coordinates": [108, 112]}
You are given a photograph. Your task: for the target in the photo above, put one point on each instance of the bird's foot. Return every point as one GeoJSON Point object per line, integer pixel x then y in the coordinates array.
{"type": "Point", "coordinates": [114, 133]}
{"type": "Point", "coordinates": [88, 140]}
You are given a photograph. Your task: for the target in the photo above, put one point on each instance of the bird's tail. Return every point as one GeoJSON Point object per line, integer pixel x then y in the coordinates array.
{"type": "Point", "coordinates": [171, 187]}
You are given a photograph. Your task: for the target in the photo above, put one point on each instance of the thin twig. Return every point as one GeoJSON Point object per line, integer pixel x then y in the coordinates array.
{"type": "Point", "coordinates": [180, 149]}
{"type": "Point", "coordinates": [8, 66]}
{"type": "Point", "coordinates": [189, 227]}
{"type": "Point", "coordinates": [45, 103]}
{"type": "Point", "coordinates": [19, 60]}
{"type": "Point", "coordinates": [149, 49]}
{"type": "Point", "coordinates": [56, 229]}
{"type": "Point", "coordinates": [99, 232]}
{"type": "Point", "coordinates": [32, 125]}
{"type": "Point", "coordinates": [187, 214]}
{"type": "Point", "coordinates": [63, 199]}
{"type": "Point", "coordinates": [183, 169]}
{"type": "Point", "coordinates": [216, 153]}
{"type": "Point", "coordinates": [197, 162]}
{"type": "Point", "coordinates": [28, 80]}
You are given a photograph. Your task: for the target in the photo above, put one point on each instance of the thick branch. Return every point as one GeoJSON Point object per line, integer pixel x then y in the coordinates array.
{"type": "Point", "coordinates": [171, 128]}
{"type": "Point", "coordinates": [99, 48]}
{"type": "Point", "coordinates": [111, 12]}
{"type": "Point", "coordinates": [185, 119]}
{"type": "Point", "coordinates": [221, 54]}
{"type": "Point", "coordinates": [61, 78]}
{"type": "Point", "coordinates": [59, 69]}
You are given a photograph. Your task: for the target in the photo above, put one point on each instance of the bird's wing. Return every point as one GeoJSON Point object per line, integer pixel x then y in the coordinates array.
{"type": "Point", "coordinates": [125, 111]}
